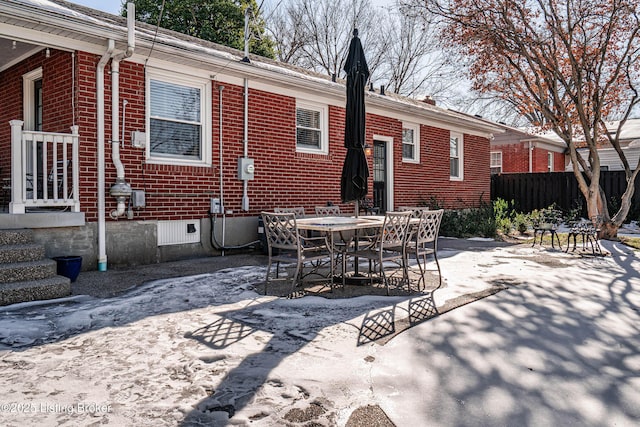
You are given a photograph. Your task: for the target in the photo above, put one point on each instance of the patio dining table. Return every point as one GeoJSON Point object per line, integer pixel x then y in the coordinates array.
{"type": "Point", "coordinates": [335, 225]}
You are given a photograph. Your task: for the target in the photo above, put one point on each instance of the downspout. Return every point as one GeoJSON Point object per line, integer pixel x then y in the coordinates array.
{"type": "Point", "coordinates": [121, 190]}
{"type": "Point", "coordinates": [245, 184]}
{"type": "Point", "coordinates": [530, 157]}
{"type": "Point", "coordinates": [102, 251]}
{"type": "Point", "coordinates": [221, 158]}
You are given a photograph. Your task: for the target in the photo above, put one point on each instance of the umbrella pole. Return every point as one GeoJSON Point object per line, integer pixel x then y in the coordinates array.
{"type": "Point", "coordinates": [356, 260]}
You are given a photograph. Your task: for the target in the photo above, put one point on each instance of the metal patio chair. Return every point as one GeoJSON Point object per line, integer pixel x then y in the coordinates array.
{"type": "Point", "coordinates": [299, 211]}
{"type": "Point", "coordinates": [282, 234]}
{"type": "Point", "coordinates": [589, 230]}
{"type": "Point", "coordinates": [424, 242]}
{"type": "Point", "coordinates": [328, 210]}
{"type": "Point", "coordinates": [389, 246]}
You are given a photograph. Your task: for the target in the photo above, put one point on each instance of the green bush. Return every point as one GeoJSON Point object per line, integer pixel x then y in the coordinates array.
{"type": "Point", "coordinates": [466, 222]}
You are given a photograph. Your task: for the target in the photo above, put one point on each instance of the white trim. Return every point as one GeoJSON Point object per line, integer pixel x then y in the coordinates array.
{"type": "Point", "coordinates": [460, 137]}
{"type": "Point", "coordinates": [416, 142]}
{"type": "Point", "coordinates": [389, 185]}
{"type": "Point", "coordinates": [204, 85]}
{"type": "Point", "coordinates": [323, 109]}
{"type": "Point", "coordinates": [28, 80]}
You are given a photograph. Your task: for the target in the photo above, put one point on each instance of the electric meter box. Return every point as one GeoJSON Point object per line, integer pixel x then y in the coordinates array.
{"type": "Point", "coordinates": [246, 169]}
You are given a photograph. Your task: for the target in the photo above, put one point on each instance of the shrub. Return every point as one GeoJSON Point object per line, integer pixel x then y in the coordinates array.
{"type": "Point", "coordinates": [466, 222]}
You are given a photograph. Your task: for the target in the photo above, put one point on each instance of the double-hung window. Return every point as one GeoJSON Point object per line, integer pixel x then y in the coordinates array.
{"type": "Point", "coordinates": [550, 161]}
{"type": "Point", "coordinates": [311, 128]}
{"type": "Point", "coordinates": [410, 143]}
{"type": "Point", "coordinates": [178, 119]}
{"type": "Point", "coordinates": [456, 160]}
{"type": "Point", "coordinates": [496, 162]}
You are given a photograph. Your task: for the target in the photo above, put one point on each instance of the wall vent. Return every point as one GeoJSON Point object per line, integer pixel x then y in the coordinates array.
{"type": "Point", "coordinates": [178, 232]}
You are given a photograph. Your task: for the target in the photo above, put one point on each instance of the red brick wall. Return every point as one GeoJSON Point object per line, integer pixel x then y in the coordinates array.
{"type": "Point", "coordinates": [515, 159]}
{"type": "Point", "coordinates": [283, 177]}
{"type": "Point", "coordinates": [57, 91]}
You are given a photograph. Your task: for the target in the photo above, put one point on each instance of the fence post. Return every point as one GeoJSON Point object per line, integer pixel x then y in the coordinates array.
{"type": "Point", "coordinates": [17, 179]}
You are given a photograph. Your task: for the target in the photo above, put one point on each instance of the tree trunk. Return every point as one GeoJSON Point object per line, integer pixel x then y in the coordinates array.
{"type": "Point", "coordinates": [608, 231]}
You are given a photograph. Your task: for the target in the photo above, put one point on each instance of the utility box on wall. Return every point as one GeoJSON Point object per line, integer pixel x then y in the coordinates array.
{"type": "Point", "coordinates": [246, 169]}
{"type": "Point", "coordinates": [137, 198]}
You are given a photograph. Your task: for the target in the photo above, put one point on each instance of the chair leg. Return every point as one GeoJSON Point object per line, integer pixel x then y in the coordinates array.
{"type": "Point", "coordinates": [297, 276]}
{"type": "Point", "coordinates": [435, 256]}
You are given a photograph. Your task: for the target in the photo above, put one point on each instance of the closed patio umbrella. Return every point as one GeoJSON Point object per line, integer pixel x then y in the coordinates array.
{"type": "Point", "coordinates": [355, 171]}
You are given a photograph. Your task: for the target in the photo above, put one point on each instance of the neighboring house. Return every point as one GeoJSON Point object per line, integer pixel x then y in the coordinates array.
{"type": "Point", "coordinates": [516, 151]}
{"type": "Point", "coordinates": [120, 139]}
{"type": "Point", "coordinates": [629, 142]}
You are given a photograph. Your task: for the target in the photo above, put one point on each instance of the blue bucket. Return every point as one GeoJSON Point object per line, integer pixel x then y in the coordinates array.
{"type": "Point", "coordinates": [69, 266]}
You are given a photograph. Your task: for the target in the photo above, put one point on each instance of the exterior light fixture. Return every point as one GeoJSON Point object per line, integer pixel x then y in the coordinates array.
{"type": "Point", "coordinates": [368, 150]}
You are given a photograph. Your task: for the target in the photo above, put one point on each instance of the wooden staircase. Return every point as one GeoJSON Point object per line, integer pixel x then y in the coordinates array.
{"type": "Point", "coordinates": [25, 273]}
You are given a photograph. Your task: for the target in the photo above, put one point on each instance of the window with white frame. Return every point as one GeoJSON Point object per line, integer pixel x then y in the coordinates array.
{"type": "Point", "coordinates": [496, 162]}
{"type": "Point", "coordinates": [410, 142]}
{"type": "Point", "coordinates": [178, 119]}
{"type": "Point", "coordinates": [456, 161]}
{"type": "Point", "coordinates": [311, 128]}
{"type": "Point", "coordinates": [550, 161]}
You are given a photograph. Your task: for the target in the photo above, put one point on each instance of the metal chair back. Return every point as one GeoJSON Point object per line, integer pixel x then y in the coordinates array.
{"type": "Point", "coordinates": [429, 226]}
{"type": "Point", "coordinates": [328, 210]}
{"type": "Point", "coordinates": [299, 211]}
{"type": "Point", "coordinates": [394, 230]}
{"type": "Point", "coordinates": [281, 230]}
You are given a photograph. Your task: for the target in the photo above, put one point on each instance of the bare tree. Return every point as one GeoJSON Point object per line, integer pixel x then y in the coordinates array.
{"type": "Point", "coordinates": [402, 51]}
{"type": "Point", "coordinates": [412, 62]}
{"type": "Point", "coordinates": [567, 65]}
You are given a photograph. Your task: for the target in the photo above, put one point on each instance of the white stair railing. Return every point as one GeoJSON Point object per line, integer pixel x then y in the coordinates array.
{"type": "Point", "coordinates": [44, 169]}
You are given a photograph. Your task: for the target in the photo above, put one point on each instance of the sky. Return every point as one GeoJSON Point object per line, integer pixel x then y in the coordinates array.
{"type": "Point", "coordinates": [110, 6]}
{"type": "Point", "coordinates": [557, 345]}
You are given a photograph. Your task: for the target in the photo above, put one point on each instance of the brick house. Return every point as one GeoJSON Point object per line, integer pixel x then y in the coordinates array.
{"type": "Point", "coordinates": [120, 139]}
{"type": "Point", "coordinates": [516, 151]}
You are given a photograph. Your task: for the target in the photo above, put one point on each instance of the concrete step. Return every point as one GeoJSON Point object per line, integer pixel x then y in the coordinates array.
{"type": "Point", "coordinates": [15, 237]}
{"type": "Point", "coordinates": [34, 290]}
{"type": "Point", "coordinates": [21, 252]}
{"type": "Point", "coordinates": [27, 271]}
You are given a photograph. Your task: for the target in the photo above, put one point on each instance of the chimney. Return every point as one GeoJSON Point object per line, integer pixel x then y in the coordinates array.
{"type": "Point", "coordinates": [382, 90]}
{"type": "Point", "coordinates": [429, 100]}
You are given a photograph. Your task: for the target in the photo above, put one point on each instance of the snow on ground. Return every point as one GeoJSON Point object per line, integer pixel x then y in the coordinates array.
{"type": "Point", "coordinates": [558, 346]}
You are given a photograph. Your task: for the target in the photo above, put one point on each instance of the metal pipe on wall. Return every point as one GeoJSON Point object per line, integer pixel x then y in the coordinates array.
{"type": "Point", "coordinates": [245, 184]}
{"type": "Point", "coordinates": [224, 215]}
{"type": "Point", "coordinates": [102, 251]}
{"type": "Point", "coordinates": [121, 190]}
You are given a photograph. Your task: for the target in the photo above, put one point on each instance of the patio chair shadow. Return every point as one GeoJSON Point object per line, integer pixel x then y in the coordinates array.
{"type": "Point", "coordinates": [242, 383]}
{"type": "Point", "coordinates": [381, 326]}
{"type": "Point", "coordinates": [221, 333]}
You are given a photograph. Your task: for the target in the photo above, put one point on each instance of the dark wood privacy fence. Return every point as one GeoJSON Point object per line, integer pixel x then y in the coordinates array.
{"type": "Point", "coordinates": [531, 191]}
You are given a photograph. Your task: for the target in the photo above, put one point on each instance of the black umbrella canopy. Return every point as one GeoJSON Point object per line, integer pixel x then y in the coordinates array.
{"type": "Point", "coordinates": [355, 171]}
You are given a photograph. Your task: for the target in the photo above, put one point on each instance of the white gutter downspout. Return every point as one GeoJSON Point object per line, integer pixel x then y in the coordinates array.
{"type": "Point", "coordinates": [102, 251]}
{"type": "Point", "coordinates": [530, 157]}
{"type": "Point", "coordinates": [221, 158]}
{"type": "Point", "coordinates": [121, 190]}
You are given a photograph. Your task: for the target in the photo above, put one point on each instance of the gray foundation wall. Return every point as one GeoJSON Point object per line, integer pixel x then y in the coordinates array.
{"type": "Point", "coordinates": [130, 243]}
